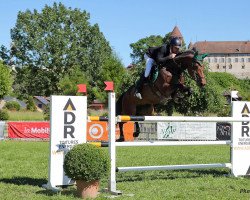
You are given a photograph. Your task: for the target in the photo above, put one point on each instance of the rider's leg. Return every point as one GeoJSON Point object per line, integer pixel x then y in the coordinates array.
{"type": "Point", "coordinates": [149, 64]}
{"type": "Point", "coordinates": [139, 84]}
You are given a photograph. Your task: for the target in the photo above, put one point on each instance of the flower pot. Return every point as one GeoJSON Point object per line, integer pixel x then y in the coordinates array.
{"type": "Point", "coordinates": [87, 189]}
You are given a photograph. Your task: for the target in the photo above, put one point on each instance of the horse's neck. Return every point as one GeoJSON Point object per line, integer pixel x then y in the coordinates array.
{"type": "Point", "coordinates": [184, 62]}
{"type": "Point", "coordinates": [174, 67]}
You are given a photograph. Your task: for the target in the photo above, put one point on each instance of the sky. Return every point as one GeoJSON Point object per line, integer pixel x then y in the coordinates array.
{"type": "Point", "coordinates": [126, 21]}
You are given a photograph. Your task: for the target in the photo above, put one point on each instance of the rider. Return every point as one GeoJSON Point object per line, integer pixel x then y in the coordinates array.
{"type": "Point", "coordinates": [158, 55]}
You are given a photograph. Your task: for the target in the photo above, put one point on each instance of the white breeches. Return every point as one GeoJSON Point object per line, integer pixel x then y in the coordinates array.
{"type": "Point", "coordinates": [149, 64]}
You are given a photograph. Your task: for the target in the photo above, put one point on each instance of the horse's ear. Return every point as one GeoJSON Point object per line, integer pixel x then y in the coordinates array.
{"type": "Point", "coordinates": [200, 57]}
{"type": "Point", "coordinates": [204, 55]}
{"type": "Point", "coordinates": [196, 54]}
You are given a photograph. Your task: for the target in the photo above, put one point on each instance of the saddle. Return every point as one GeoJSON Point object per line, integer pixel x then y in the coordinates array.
{"type": "Point", "coordinates": [153, 74]}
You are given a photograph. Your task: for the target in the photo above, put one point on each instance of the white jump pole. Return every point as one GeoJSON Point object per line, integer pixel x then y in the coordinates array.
{"type": "Point", "coordinates": [112, 147]}
{"type": "Point", "coordinates": [174, 167]}
{"type": "Point", "coordinates": [171, 143]}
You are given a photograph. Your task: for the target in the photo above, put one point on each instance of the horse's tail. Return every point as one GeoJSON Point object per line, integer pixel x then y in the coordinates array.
{"type": "Point", "coordinates": [118, 107]}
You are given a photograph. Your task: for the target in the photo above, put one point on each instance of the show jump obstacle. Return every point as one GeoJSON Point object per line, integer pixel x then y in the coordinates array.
{"type": "Point", "coordinates": [69, 119]}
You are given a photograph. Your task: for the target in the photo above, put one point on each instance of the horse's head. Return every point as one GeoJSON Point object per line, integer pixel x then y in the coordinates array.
{"type": "Point", "coordinates": [191, 61]}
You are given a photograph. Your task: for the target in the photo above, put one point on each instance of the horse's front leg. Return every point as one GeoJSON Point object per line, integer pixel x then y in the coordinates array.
{"type": "Point", "coordinates": [121, 138]}
{"type": "Point", "coordinates": [184, 89]}
{"type": "Point", "coordinates": [137, 130]}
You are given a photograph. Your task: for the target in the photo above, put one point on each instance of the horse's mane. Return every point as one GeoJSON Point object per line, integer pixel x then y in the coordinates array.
{"type": "Point", "coordinates": [185, 53]}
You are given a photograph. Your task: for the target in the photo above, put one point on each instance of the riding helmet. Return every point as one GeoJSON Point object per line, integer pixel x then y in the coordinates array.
{"type": "Point", "coordinates": [175, 42]}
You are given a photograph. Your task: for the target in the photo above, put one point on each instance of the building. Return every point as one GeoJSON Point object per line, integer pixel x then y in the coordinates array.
{"type": "Point", "coordinates": [97, 105]}
{"type": "Point", "coordinates": [6, 99]}
{"type": "Point", "coordinates": [176, 33]}
{"type": "Point", "coordinates": [226, 56]}
{"type": "Point", "coordinates": [41, 102]}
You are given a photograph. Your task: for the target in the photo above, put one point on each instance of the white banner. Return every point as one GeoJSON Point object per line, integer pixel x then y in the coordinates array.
{"type": "Point", "coordinates": [241, 140]}
{"type": "Point", "coordinates": [2, 127]}
{"type": "Point", "coordinates": [67, 128]}
{"type": "Point", "coordinates": [186, 131]}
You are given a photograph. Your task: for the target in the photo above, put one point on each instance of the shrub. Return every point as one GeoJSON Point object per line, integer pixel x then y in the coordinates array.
{"type": "Point", "coordinates": [12, 105]}
{"type": "Point", "coordinates": [30, 104]}
{"type": "Point", "coordinates": [4, 115]}
{"type": "Point", "coordinates": [86, 162]}
{"type": "Point", "coordinates": [46, 113]}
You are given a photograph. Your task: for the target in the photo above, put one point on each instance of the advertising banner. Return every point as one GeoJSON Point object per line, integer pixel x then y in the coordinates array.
{"type": "Point", "coordinates": [68, 127]}
{"type": "Point", "coordinates": [186, 131]}
{"type": "Point", "coordinates": [28, 130]}
{"type": "Point", "coordinates": [98, 131]}
{"type": "Point", "coordinates": [241, 140]}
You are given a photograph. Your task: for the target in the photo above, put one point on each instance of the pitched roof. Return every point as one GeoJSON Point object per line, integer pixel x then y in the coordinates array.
{"type": "Point", "coordinates": [176, 32]}
{"type": "Point", "coordinates": [223, 47]}
{"type": "Point", "coordinates": [43, 100]}
{"type": "Point", "coordinates": [10, 98]}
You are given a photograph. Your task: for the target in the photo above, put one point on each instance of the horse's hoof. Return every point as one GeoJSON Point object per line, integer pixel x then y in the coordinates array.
{"type": "Point", "coordinates": [136, 134]}
{"type": "Point", "coordinates": [120, 140]}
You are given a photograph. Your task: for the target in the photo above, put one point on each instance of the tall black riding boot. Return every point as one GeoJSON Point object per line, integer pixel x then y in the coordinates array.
{"type": "Point", "coordinates": [138, 86]}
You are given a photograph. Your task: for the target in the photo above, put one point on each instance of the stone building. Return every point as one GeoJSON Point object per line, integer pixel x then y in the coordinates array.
{"type": "Point", "coordinates": [226, 56]}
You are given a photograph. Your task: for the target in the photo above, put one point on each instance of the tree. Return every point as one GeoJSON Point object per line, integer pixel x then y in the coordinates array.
{"type": "Point", "coordinates": [48, 44]}
{"type": "Point", "coordinates": [140, 47]}
{"type": "Point", "coordinates": [68, 84]}
{"type": "Point", "coordinates": [6, 80]}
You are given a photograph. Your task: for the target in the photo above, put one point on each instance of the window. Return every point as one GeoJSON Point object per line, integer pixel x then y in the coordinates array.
{"type": "Point", "coordinates": [218, 66]}
{"type": "Point", "coordinates": [221, 60]}
{"type": "Point", "coordinates": [229, 60]}
{"type": "Point", "coordinates": [215, 60]}
{"type": "Point", "coordinates": [243, 67]}
{"type": "Point", "coordinates": [236, 60]}
{"type": "Point", "coordinates": [208, 60]}
{"type": "Point", "coordinates": [242, 60]}
{"type": "Point", "coordinates": [248, 60]}
{"type": "Point", "coordinates": [224, 67]}
{"type": "Point", "coordinates": [230, 66]}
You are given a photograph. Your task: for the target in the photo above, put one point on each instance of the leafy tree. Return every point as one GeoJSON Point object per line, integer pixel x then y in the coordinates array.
{"type": "Point", "coordinates": [68, 84]}
{"type": "Point", "coordinates": [140, 47]}
{"type": "Point", "coordinates": [6, 80]}
{"type": "Point", "coordinates": [31, 104]}
{"type": "Point", "coordinates": [47, 44]}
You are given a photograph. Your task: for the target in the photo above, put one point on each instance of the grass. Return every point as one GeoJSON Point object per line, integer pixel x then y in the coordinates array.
{"type": "Point", "coordinates": [24, 168]}
{"type": "Point", "coordinates": [25, 116]}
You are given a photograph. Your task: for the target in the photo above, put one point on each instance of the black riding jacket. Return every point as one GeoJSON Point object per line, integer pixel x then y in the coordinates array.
{"type": "Point", "coordinates": [159, 54]}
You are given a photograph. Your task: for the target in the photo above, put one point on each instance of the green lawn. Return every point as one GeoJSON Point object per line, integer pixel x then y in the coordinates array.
{"type": "Point", "coordinates": [25, 116]}
{"type": "Point", "coordinates": [24, 168]}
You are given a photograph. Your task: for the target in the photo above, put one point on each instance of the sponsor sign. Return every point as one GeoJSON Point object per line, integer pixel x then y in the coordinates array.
{"type": "Point", "coordinates": [186, 131]}
{"type": "Point", "coordinates": [28, 130]}
{"type": "Point", "coordinates": [241, 140]}
{"type": "Point", "coordinates": [98, 131]}
{"type": "Point", "coordinates": [68, 128]}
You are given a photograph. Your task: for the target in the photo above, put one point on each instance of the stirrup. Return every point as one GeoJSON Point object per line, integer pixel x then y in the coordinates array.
{"type": "Point", "coordinates": [138, 95]}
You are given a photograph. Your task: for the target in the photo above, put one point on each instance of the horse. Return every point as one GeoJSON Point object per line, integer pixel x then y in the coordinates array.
{"type": "Point", "coordinates": [164, 87]}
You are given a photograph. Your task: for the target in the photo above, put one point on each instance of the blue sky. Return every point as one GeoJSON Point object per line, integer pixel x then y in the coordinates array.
{"type": "Point", "coordinates": [126, 21]}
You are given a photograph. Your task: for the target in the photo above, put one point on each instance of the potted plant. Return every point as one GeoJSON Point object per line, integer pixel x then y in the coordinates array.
{"type": "Point", "coordinates": [86, 164]}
